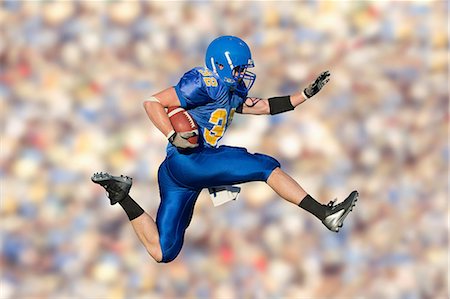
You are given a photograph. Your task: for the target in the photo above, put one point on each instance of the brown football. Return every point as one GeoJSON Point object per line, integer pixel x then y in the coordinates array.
{"type": "Point", "coordinates": [182, 121]}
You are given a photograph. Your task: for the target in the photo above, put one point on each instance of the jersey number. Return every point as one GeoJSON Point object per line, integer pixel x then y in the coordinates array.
{"type": "Point", "coordinates": [219, 120]}
{"type": "Point", "coordinates": [210, 81]}
{"type": "Point", "coordinates": [208, 78]}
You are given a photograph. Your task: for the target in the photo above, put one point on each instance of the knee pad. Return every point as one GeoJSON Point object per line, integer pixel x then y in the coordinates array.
{"type": "Point", "coordinates": [170, 256]}
{"type": "Point", "coordinates": [170, 250]}
{"type": "Point", "coordinates": [269, 163]}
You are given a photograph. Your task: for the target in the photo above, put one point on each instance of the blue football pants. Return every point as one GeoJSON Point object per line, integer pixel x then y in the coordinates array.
{"type": "Point", "coordinates": [181, 177]}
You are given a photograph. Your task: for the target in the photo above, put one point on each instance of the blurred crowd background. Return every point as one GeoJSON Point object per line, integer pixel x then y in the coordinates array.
{"type": "Point", "coordinates": [73, 78]}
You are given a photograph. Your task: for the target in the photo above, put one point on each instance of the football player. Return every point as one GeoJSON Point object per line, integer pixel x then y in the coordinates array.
{"type": "Point", "coordinates": [212, 94]}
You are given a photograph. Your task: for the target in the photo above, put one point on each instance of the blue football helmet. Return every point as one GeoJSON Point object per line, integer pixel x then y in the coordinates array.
{"type": "Point", "coordinates": [229, 57]}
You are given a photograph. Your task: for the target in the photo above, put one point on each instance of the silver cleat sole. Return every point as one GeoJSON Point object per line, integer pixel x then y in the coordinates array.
{"type": "Point", "coordinates": [336, 224]}
{"type": "Point", "coordinates": [116, 187]}
{"type": "Point", "coordinates": [100, 177]}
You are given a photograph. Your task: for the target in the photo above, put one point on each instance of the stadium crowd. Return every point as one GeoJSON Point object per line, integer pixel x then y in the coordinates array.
{"type": "Point", "coordinates": [73, 79]}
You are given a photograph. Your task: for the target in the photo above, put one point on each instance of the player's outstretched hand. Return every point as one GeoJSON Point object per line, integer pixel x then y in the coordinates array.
{"type": "Point", "coordinates": [180, 140]}
{"type": "Point", "coordinates": [317, 85]}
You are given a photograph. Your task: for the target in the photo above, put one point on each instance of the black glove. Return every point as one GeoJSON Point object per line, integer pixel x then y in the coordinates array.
{"type": "Point", "coordinates": [180, 140]}
{"type": "Point", "coordinates": [317, 85]}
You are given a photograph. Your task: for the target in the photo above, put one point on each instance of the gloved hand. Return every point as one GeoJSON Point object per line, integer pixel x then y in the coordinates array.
{"type": "Point", "coordinates": [180, 140]}
{"type": "Point", "coordinates": [317, 85]}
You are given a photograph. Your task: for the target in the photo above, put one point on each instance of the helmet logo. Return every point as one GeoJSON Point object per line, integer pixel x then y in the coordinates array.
{"type": "Point", "coordinates": [228, 80]}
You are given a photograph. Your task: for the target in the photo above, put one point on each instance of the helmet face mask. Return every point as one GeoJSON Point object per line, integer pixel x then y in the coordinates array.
{"type": "Point", "coordinates": [244, 78]}
{"type": "Point", "coordinates": [229, 57]}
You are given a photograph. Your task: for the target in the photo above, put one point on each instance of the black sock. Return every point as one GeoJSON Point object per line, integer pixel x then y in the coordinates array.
{"type": "Point", "coordinates": [311, 205]}
{"type": "Point", "coordinates": [131, 207]}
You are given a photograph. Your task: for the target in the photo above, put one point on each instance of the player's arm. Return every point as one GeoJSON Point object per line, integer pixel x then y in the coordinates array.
{"type": "Point", "coordinates": [155, 109]}
{"type": "Point", "coordinates": [260, 106]}
{"type": "Point", "coordinates": [276, 105]}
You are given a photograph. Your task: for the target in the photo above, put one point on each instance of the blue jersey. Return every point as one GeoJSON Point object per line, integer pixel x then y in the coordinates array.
{"type": "Point", "coordinates": [210, 103]}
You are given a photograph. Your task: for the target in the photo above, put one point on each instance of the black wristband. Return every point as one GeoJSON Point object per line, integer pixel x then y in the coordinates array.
{"type": "Point", "coordinates": [280, 104]}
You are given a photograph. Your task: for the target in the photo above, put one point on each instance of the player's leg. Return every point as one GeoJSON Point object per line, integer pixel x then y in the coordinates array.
{"type": "Point", "coordinates": [225, 165]}
{"type": "Point", "coordinates": [174, 213]}
{"type": "Point", "coordinates": [231, 165]}
{"type": "Point", "coordinates": [174, 217]}
{"type": "Point", "coordinates": [332, 216]}
{"type": "Point", "coordinates": [285, 186]}
{"type": "Point", "coordinates": [144, 226]}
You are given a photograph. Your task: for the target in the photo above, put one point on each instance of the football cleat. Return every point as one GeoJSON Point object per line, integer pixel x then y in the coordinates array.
{"type": "Point", "coordinates": [117, 187]}
{"type": "Point", "coordinates": [335, 214]}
